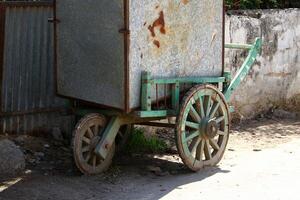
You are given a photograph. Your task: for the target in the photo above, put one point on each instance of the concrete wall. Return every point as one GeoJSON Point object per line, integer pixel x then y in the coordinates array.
{"type": "Point", "coordinates": [274, 81]}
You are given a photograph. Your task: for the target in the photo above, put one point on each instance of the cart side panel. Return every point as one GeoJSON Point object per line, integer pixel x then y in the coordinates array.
{"type": "Point", "coordinates": [178, 38]}
{"type": "Point", "coordinates": [90, 51]}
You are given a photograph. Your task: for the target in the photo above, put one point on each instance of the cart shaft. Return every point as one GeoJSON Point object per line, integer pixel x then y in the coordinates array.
{"type": "Point", "coordinates": [245, 68]}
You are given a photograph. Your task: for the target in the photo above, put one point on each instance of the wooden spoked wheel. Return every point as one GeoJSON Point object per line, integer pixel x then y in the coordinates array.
{"type": "Point", "coordinates": [202, 129]}
{"type": "Point", "coordinates": [86, 136]}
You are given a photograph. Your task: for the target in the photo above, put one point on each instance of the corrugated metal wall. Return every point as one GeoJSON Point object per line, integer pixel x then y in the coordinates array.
{"type": "Point", "coordinates": [28, 101]}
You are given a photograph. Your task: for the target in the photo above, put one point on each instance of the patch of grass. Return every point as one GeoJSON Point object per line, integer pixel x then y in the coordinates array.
{"type": "Point", "coordinates": [138, 143]}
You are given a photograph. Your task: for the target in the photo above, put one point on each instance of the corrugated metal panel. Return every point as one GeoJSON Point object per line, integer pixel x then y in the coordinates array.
{"type": "Point", "coordinates": [28, 83]}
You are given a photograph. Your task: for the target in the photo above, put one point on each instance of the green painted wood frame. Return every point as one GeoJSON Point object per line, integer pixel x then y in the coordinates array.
{"type": "Point", "coordinates": [147, 85]}
{"type": "Point", "coordinates": [244, 70]}
{"type": "Point", "coordinates": [229, 84]}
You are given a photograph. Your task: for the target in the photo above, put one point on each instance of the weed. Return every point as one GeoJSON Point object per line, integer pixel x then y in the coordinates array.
{"type": "Point", "coordinates": [138, 143]}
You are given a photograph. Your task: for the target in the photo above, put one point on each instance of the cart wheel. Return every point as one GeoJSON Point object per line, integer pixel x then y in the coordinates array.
{"type": "Point", "coordinates": [86, 136]}
{"type": "Point", "coordinates": [122, 137]}
{"type": "Point", "coordinates": [202, 129]}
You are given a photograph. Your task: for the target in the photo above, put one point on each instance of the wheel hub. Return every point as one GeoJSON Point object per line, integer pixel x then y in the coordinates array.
{"type": "Point", "coordinates": [209, 128]}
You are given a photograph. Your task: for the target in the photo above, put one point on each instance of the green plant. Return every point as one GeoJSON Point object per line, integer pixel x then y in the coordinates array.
{"type": "Point", "coordinates": [138, 143]}
{"type": "Point", "coordinates": [252, 4]}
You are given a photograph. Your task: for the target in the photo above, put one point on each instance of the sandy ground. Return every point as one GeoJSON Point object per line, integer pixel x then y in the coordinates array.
{"type": "Point", "coordinates": [262, 162]}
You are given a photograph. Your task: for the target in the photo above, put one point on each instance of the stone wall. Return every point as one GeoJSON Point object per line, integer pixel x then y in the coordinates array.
{"type": "Point", "coordinates": [274, 81]}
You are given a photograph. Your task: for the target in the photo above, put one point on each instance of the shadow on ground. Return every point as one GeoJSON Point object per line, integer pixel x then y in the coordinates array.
{"type": "Point", "coordinates": [127, 179]}
{"type": "Point", "coordinates": [130, 178]}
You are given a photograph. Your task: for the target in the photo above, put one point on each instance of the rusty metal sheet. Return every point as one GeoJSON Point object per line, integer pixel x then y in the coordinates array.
{"type": "Point", "coordinates": [178, 38]}
{"type": "Point", "coordinates": [90, 51]}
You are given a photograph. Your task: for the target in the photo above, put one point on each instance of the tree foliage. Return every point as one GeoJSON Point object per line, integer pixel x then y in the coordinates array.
{"type": "Point", "coordinates": [253, 4]}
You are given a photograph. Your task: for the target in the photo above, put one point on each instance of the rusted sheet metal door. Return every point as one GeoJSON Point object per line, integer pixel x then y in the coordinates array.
{"type": "Point", "coordinates": [90, 50]}
{"type": "Point", "coordinates": [174, 38]}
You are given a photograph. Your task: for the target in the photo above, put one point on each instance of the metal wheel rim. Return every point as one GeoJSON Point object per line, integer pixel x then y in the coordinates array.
{"type": "Point", "coordinates": [197, 146]}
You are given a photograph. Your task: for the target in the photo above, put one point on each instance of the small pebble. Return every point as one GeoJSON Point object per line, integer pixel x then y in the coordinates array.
{"type": "Point", "coordinates": [256, 150]}
{"type": "Point", "coordinates": [39, 154]}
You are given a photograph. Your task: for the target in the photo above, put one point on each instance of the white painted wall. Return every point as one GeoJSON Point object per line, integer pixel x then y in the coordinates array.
{"type": "Point", "coordinates": [275, 78]}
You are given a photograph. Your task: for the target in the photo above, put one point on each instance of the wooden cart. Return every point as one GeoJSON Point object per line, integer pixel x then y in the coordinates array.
{"type": "Point", "coordinates": [138, 62]}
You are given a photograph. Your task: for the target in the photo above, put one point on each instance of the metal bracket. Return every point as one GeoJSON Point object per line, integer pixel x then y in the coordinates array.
{"type": "Point", "coordinates": [53, 20]}
{"type": "Point", "coordinates": [124, 31]}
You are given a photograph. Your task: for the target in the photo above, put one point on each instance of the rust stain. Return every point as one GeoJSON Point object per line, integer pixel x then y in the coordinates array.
{"type": "Point", "coordinates": [159, 23]}
{"type": "Point", "coordinates": [163, 36]}
{"type": "Point", "coordinates": [185, 1]}
{"type": "Point", "coordinates": [156, 43]}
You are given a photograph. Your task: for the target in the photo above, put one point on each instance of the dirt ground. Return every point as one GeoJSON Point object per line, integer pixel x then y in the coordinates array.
{"type": "Point", "coordinates": [262, 162]}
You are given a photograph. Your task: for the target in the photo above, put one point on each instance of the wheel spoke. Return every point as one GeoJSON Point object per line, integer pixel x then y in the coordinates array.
{"type": "Point", "coordinates": [90, 133]}
{"type": "Point", "coordinates": [200, 107]}
{"type": "Point", "coordinates": [86, 140]}
{"type": "Point", "coordinates": [193, 146]}
{"type": "Point", "coordinates": [88, 157]}
{"type": "Point", "coordinates": [221, 133]}
{"type": "Point", "coordinates": [96, 130]}
{"type": "Point", "coordinates": [192, 136]}
{"type": "Point", "coordinates": [200, 150]}
{"type": "Point", "coordinates": [220, 119]}
{"type": "Point", "coordinates": [94, 161]}
{"type": "Point", "coordinates": [194, 115]}
{"type": "Point", "coordinates": [214, 144]}
{"type": "Point", "coordinates": [85, 149]}
{"type": "Point", "coordinates": [214, 109]}
{"type": "Point", "coordinates": [207, 150]}
{"type": "Point", "coordinates": [192, 125]}
{"type": "Point", "coordinates": [208, 105]}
